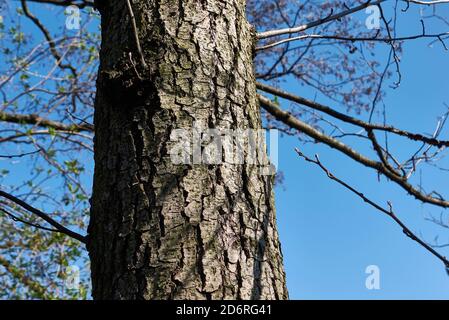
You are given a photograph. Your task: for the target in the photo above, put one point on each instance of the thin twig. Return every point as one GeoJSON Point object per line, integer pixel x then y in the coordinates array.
{"type": "Point", "coordinates": [389, 212]}
{"type": "Point", "coordinates": [60, 228]}
{"type": "Point", "coordinates": [273, 33]}
{"type": "Point", "coordinates": [18, 219]}
{"type": "Point", "coordinates": [136, 33]}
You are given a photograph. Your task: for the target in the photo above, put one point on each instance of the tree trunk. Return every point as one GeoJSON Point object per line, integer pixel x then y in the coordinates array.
{"type": "Point", "coordinates": [161, 230]}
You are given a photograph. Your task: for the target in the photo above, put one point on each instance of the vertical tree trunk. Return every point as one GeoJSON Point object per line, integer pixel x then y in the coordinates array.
{"type": "Point", "coordinates": [161, 230]}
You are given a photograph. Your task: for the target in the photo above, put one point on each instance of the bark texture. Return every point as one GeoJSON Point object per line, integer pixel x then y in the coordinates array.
{"type": "Point", "coordinates": [160, 230]}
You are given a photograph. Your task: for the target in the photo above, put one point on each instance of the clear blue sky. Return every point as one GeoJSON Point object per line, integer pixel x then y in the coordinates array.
{"type": "Point", "coordinates": [328, 235]}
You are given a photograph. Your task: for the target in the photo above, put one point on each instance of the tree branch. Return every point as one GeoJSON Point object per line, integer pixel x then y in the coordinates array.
{"type": "Point", "coordinates": [136, 34]}
{"type": "Point", "coordinates": [427, 3]}
{"type": "Point", "coordinates": [65, 3]}
{"type": "Point", "coordinates": [301, 126]}
{"type": "Point", "coordinates": [387, 40]}
{"type": "Point", "coordinates": [48, 37]}
{"type": "Point", "coordinates": [60, 228]}
{"type": "Point", "coordinates": [18, 219]}
{"type": "Point", "coordinates": [33, 119]}
{"type": "Point", "coordinates": [348, 119]}
{"type": "Point", "coordinates": [278, 32]}
{"type": "Point", "coordinates": [388, 212]}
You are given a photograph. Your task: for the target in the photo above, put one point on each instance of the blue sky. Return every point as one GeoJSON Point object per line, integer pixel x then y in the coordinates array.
{"type": "Point", "coordinates": [328, 235]}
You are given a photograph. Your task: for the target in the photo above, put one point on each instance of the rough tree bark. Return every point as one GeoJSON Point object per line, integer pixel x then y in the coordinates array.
{"type": "Point", "coordinates": [160, 230]}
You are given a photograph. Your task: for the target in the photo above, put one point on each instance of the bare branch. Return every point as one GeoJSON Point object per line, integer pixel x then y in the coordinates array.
{"type": "Point", "coordinates": [301, 126]}
{"type": "Point", "coordinates": [343, 117]}
{"type": "Point", "coordinates": [387, 40]}
{"type": "Point", "coordinates": [65, 3]}
{"type": "Point", "coordinates": [18, 219]}
{"type": "Point", "coordinates": [48, 37]}
{"type": "Point", "coordinates": [273, 33]}
{"type": "Point", "coordinates": [42, 122]}
{"type": "Point", "coordinates": [60, 228]}
{"type": "Point", "coordinates": [428, 3]}
{"type": "Point", "coordinates": [389, 212]}
{"type": "Point", "coordinates": [136, 34]}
